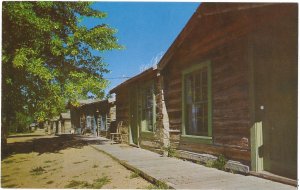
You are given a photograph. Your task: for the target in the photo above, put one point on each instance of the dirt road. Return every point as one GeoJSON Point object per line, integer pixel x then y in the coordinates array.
{"type": "Point", "coordinates": [62, 162]}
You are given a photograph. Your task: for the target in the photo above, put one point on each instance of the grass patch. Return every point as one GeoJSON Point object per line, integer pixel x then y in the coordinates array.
{"type": "Point", "coordinates": [219, 163]}
{"type": "Point", "coordinates": [151, 187]}
{"type": "Point", "coordinates": [74, 184]}
{"type": "Point", "coordinates": [50, 182]}
{"type": "Point", "coordinates": [209, 164]}
{"type": "Point", "coordinates": [5, 180]}
{"type": "Point", "coordinates": [134, 175]}
{"type": "Point", "coordinates": [10, 186]}
{"type": "Point", "coordinates": [171, 151]}
{"type": "Point", "coordinates": [158, 185]}
{"type": "Point", "coordinates": [8, 161]}
{"type": "Point", "coordinates": [95, 166]}
{"type": "Point", "coordinates": [37, 171]}
{"type": "Point", "coordinates": [107, 166]}
{"type": "Point", "coordinates": [48, 161]}
{"type": "Point", "coordinates": [97, 183]}
{"type": "Point", "coordinates": [54, 169]}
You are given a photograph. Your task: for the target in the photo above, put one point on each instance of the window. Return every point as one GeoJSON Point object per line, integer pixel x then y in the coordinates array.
{"type": "Point", "coordinates": [197, 101]}
{"type": "Point", "coordinates": [148, 108]}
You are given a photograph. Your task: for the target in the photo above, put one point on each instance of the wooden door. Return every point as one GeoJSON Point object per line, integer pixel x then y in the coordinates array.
{"type": "Point", "coordinates": [275, 75]}
{"type": "Point", "coordinates": [133, 116]}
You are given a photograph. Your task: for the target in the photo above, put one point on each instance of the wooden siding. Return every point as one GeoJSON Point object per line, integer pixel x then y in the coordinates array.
{"type": "Point", "coordinates": [223, 39]}
{"type": "Point", "coordinates": [230, 102]}
{"type": "Point", "coordinates": [123, 106]}
{"type": "Point", "coordinates": [94, 109]}
{"type": "Point", "coordinates": [122, 110]}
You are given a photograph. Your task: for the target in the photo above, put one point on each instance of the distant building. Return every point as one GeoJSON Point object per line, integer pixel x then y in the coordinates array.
{"type": "Point", "coordinates": [93, 116]}
{"type": "Point", "coordinates": [65, 122]}
{"type": "Point", "coordinates": [53, 126]}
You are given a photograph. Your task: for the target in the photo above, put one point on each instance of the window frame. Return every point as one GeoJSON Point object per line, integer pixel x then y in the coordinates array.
{"type": "Point", "coordinates": [144, 129]}
{"type": "Point", "coordinates": [195, 138]}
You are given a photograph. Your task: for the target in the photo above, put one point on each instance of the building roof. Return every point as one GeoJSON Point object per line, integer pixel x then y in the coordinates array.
{"type": "Point", "coordinates": [54, 118]}
{"type": "Point", "coordinates": [89, 101]}
{"type": "Point", "coordinates": [66, 115]}
{"type": "Point", "coordinates": [134, 79]}
{"type": "Point", "coordinates": [204, 10]}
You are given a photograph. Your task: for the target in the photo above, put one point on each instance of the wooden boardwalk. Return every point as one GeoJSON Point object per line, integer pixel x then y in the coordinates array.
{"type": "Point", "coordinates": [181, 174]}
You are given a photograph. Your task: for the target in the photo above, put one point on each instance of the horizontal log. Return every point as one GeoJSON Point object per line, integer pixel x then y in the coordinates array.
{"type": "Point", "coordinates": [175, 126]}
{"type": "Point", "coordinates": [173, 110]}
{"type": "Point", "coordinates": [173, 91]}
{"type": "Point", "coordinates": [232, 140]}
{"type": "Point", "coordinates": [233, 97]}
{"type": "Point", "coordinates": [175, 82]}
{"type": "Point", "coordinates": [231, 114]}
{"type": "Point", "coordinates": [176, 114]}
{"type": "Point", "coordinates": [176, 101]}
{"type": "Point", "coordinates": [174, 107]}
{"type": "Point", "coordinates": [175, 121]}
{"type": "Point", "coordinates": [234, 84]}
{"type": "Point", "coordinates": [242, 155]}
{"type": "Point", "coordinates": [225, 124]}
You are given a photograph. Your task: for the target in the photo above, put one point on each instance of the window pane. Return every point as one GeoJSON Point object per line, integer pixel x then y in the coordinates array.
{"type": "Point", "coordinates": [188, 89]}
{"type": "Point", "coordinates": [196, 103]}
{"type": "Point", "coordinates": [147, 108]}
{"type": "Point", "coordinates": [198, 89]}
{"type": "Point", "coordinates": [204, 84]}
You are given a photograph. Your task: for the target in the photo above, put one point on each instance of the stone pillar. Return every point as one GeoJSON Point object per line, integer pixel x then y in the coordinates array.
{"type": "Point", "coordinates": [162, 115]}
{"type": "Point", "coordinates": [59, 127]}
{"type": "Point", "coordinates": [49, 128]}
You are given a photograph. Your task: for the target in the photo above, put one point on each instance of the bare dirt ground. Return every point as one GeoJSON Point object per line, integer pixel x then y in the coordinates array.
{"type": "Point", "coordinates": [35, 161]}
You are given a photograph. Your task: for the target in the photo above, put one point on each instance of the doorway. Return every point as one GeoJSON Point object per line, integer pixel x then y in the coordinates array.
{"type": "Point", "coordinates": [133, 130]}
{"type": "Point", "coordinates": [275, 102]}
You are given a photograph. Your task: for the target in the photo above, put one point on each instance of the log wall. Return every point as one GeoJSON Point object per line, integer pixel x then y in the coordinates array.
{"type": "Point", "coordinates": [221, 37]}
{"type": "Point", "coordinates": [123, 99]}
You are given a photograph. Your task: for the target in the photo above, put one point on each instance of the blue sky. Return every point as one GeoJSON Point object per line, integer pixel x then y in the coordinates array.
{"type": "Point", "coordinates": [146, 29]}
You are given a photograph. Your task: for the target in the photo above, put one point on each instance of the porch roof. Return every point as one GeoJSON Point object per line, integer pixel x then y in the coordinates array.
{"type": "Point", "coordinates": [145, 73]}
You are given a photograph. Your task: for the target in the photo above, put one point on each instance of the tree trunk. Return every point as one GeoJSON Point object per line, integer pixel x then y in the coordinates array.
{"type": "Point", "coordinates": [4, 135]}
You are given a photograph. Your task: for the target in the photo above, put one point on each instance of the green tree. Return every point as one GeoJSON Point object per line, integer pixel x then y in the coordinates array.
{"type": "Point", "coordinates": [47, 59]}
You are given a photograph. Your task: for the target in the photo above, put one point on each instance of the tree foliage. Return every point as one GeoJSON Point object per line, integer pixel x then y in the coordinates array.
{"type": "Point", "coordinates": [47, 59]}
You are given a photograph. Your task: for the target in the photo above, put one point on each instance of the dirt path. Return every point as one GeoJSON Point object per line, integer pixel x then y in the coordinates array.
{"type": "Point", "coordinates": [63, 162]}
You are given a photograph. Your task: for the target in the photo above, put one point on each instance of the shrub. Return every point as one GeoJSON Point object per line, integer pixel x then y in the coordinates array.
{"type": "Point", "coordinates": [219, 163]}
{"type": "Point", "coordinates": [171, 151]}
{"type": "Point", "coordinates": [134, 175]}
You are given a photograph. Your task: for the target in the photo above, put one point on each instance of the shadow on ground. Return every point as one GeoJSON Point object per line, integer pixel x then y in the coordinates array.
{"type": "Point", "coordinates": [49, 145]}
{"type": "Point", "coordinates": [13, 136]}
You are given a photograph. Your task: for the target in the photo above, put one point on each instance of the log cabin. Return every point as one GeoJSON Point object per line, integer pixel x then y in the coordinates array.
{"type": "Point", "coordinates": [136, 109]}
{"type": "Point", "coordinates": [54, 122]}
{"type": "Point", "coordinates": [228, 86]}
{"type": "Point", "coordinates": [93, 116]}
{"type": "Point", "coordinates": [60, 124]}
{"type": "Point", "coordinates": [65, 123]}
